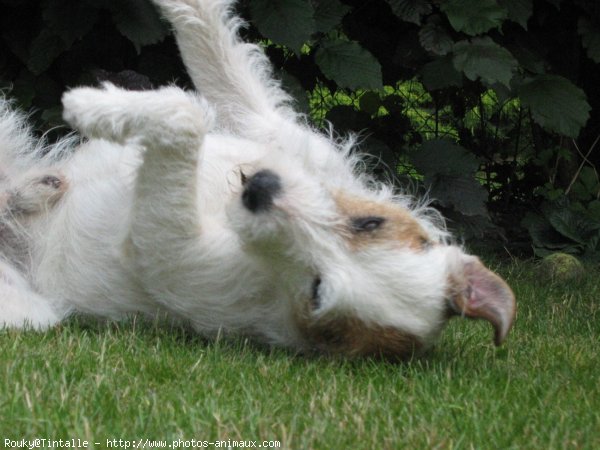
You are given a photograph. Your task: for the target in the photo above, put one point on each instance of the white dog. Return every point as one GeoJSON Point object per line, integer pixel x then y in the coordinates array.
{"type": "Point", "coordinates": [229, 213]}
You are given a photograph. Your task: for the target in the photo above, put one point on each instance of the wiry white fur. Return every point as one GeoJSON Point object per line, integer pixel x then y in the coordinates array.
{"type": "Point", "coordinates": [153, 220]}
{"type": "Point", "coordinates": [19, 150]}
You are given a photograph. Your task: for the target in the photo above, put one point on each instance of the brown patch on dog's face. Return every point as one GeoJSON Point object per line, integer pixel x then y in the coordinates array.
{"type": "Point", "coordinates": [369, 223]}
{"type": "Point", "coordinates": [349, 336]}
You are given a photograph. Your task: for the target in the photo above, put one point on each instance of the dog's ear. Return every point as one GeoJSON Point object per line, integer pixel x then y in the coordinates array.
{"type": "Point", "coordinates": [479, 293]}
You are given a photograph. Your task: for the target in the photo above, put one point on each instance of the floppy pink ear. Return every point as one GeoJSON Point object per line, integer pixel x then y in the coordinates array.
{"type": "Point", "coordinates": [481, 294]}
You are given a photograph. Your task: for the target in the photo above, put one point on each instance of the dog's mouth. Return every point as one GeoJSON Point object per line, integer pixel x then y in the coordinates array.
{"type": "Point", "coordinates": [315, 299]}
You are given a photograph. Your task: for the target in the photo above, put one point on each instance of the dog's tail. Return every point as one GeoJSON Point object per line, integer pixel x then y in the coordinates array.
{"type": "Point", "coordinates": [234, 76]}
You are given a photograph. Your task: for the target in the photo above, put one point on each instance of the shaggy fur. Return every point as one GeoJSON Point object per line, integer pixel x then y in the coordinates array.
{"type": "Point", "coordinates": [226, 211]}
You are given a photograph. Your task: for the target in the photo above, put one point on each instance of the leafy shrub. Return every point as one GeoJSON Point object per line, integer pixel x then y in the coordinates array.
{"type": "Point", "coordinates": [484, 102]}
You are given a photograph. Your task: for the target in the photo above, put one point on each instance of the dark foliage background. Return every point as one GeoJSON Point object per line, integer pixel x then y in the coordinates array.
{"type": "Point", "coordinates": [491, 105]}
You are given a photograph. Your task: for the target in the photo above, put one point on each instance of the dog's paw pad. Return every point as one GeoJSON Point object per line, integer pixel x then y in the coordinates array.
{"type": "Point", "coordinates": [36, 193]}
{"type": "Point", "coordinates": [52, 181]}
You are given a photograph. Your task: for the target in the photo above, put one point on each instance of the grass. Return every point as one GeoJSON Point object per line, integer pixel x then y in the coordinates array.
{"type": "Point", "coordinates": [138, 381]}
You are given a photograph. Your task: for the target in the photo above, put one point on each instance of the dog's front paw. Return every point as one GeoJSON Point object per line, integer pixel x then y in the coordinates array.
{"type": "Point", "coordinates": [167, 114]}
{"type": "Point", "coordinates": [94, 112]}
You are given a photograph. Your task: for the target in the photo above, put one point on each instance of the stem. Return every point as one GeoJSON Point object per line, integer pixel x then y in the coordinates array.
{"type": "Point", "coordinates": [518, 138]}
{"type": "Point", "coordinates": [585, 160]}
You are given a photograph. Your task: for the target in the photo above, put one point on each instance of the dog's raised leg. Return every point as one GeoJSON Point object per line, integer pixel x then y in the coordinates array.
{"type": "Point", "coordinates": [233, 75]}
{"type": "Point", "coordinates": [169, 125]}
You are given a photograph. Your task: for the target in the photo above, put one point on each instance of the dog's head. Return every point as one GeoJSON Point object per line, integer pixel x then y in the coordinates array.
{"type": "Point", "coordinates": [363, 273]}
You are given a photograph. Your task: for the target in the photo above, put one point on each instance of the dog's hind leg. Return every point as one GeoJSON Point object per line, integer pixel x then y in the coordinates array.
{"type": "Point", "coordinates": [20, 305]}
{"type": "Point", "coordinates": [233, 75]}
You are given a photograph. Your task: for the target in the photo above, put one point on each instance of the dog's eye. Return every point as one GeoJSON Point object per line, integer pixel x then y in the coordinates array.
{"type": "Point", "coordinates": [315, 299]}
{"type": "Point", "coordinates": [369, 223]}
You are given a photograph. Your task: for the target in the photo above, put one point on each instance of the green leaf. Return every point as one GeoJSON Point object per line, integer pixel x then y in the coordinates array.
{"type": "Point", "coordinates": [434, 38]}
{"type": "Point", "coordinates": [569, 249]}
{"type": "Point", "coordinates": [17, 41]}
{"type": "Point", "coordinates": [293, 87]}
{"type": "Point", "coordinates": [555, 103]}
{"type": "Point", "coordinates": [410, 10]}
{"type": "Point", "coordinates": [543, 235]}
{"type": "Point", "coordinates": [44, 50]}
{"type": "Point", "coordinates": [593, 210]}
{"type": "Point", "coordinates": [329, 14]}
{"type": "Point", "coordinates": [349, 65]}
{"type": "Point", "coordinates": [386, 158]}
{"type": "Point", "coordinates": [440, 73]}
{"type": "Point", "coordinates": [572, 225]}
{"type": "Point", "coordinates": [48, 91]}
{"type": "Point", "coordinates": [346, 118]}
{"type": "Point", "coordinates": [24, 89]}
{"type": "Point", "coordinates": [69, 20]}
{"type": "Point", "coordinates": [503, 93]}
{"type": "Point", "coordinates": [395, 104]}
{"type": "Point", "coordinates": [461, 192]}
{"type": "Point", "coordinates": [139, 22]}
{"type": "Point", "coordinates": [369, 102]}
{"type": "Point", "coordinates": [519, 11]}
{"type": "Point", "coordinates": [53, 116]}
{"type": "Point", "coordinates": [439, 156]}
{"type": "Point", "coordinates": [591, 254]}
{"type": "Point", "coordinates": [588, 177]}
{"type": "Point", "coordinates": [484, 59]}
{"type": "Point", "coordinates": [555, 3]}
{"type": "Point", "coordinates": [590, 38]}
{"type": "Point", "coordinates": [449, 172]}
{"type": "Point", "coordinates": [528, 58]}
{"type": "Point", "coordinates": [287, 22]}
{"type": "Point", "coordinates": [474, 17]}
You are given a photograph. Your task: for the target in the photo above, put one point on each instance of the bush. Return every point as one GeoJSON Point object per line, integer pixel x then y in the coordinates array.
{"type": "Point", "coordinates": [486, 103]}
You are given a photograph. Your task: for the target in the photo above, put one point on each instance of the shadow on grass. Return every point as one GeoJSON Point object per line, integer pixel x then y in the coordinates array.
{"type": "Point", "coordinates": [151, 332]}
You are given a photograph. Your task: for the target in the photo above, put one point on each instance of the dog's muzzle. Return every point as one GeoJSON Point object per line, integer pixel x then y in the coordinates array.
{"type": "Point", "coordinates": [260, 190]}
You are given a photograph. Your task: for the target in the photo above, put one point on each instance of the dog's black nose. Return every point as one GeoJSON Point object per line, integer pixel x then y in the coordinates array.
{"type": "Point", "coordinates": [260, 189]}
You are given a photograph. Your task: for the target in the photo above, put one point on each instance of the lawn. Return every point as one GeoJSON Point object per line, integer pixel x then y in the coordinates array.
{"type": "Point", "coordinates": [138, 381]}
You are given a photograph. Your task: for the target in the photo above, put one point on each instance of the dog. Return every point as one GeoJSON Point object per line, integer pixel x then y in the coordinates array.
{"type": "Point", "coordinates": [225, 210]}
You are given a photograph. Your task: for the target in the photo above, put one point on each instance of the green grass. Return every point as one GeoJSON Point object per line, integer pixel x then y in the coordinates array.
{"type": "Point", "coordinates": [134, 381]}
